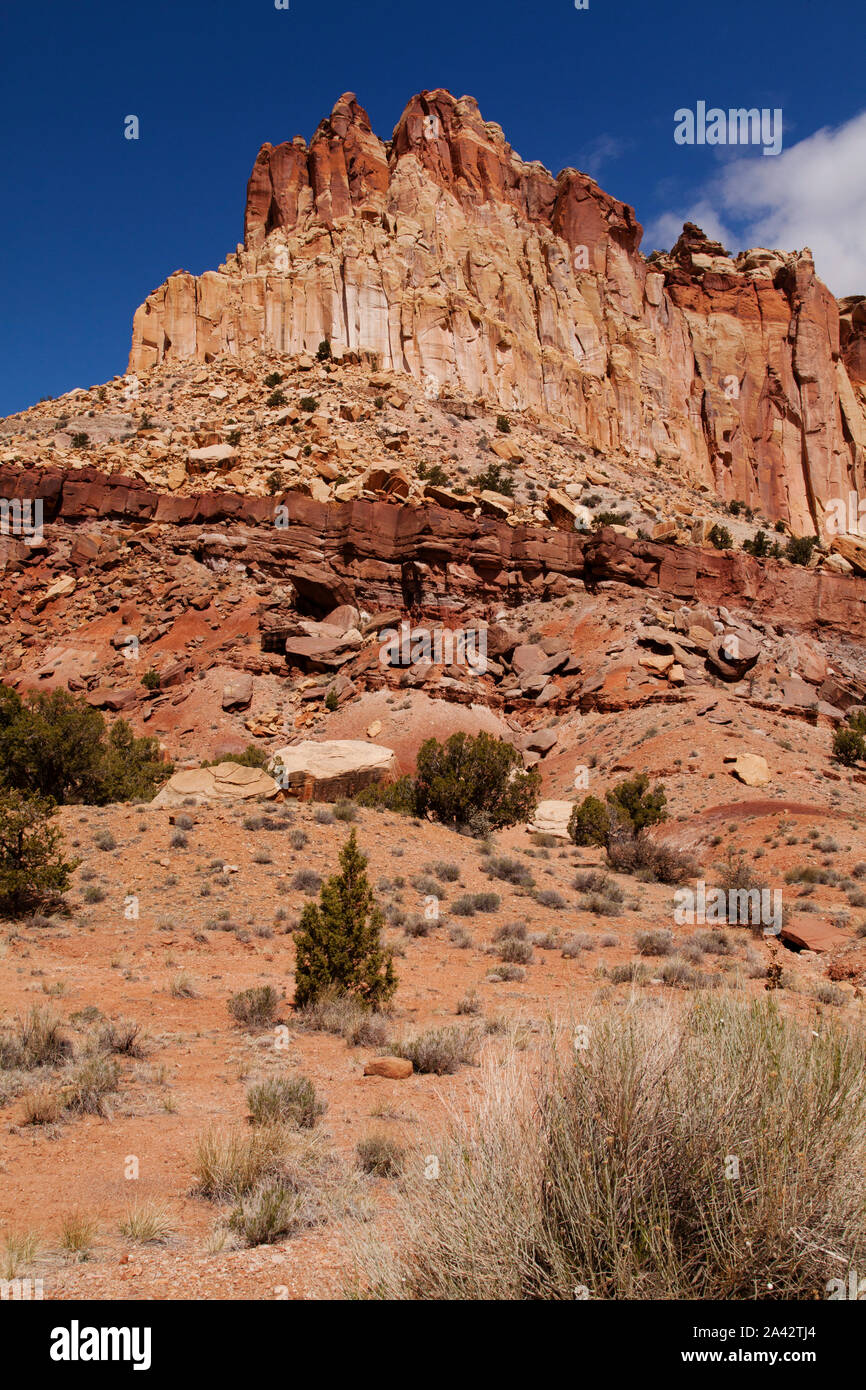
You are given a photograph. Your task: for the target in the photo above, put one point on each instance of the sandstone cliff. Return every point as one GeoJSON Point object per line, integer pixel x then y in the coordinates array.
{"type": "Point", "coordinates": [449, 257]}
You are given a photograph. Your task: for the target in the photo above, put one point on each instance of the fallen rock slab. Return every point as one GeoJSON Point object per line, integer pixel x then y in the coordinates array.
{"type": "Point", "coordinates": [332, 768]}
{"type": "Point", "coordinates": [225, 782]}
{"type": "Point", "coordinates": [750, 768]}
{"type": "Point", "coordinates": [813, 935]}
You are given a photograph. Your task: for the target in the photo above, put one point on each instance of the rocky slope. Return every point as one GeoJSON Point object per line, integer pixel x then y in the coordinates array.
{"type": "Point", "coordinates": [444, 255]}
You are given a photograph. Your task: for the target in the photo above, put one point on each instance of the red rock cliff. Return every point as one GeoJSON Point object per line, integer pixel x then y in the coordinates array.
{"type": "Point", "coordinates": [453, 259]}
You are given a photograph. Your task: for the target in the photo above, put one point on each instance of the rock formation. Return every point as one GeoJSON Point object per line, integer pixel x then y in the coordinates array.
{"type": "Point", "coordinates": [443, 254]}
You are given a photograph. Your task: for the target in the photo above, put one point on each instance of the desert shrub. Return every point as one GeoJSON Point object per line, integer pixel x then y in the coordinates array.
{"type": "Point", "coordinates": [440, 1050]}
{"type": "Point", "coordinates": [515, 929]}
{"type": "Point", "coordinates": [654, 943]}
{"type": "Point", "coordinates": [601, 894]}
{"type": "Point", "coordinates": [276, 399]}
{"type": "Point", "coordinates": [680, 974]}
{"type": "Point", "coordinates": [799, 549]}
{"type": "Point", "coordinates": [418, 925]}
{"type": "Point", "coordinates": [33, 871]}
{"type": "Point", "coordinates": [548, 897]}
{"type": "Point", "coordinates": [345, 811]}
{"type": "Point", "coordinates": [445, 870]}
{"type": "Point", "coordinates": [472, 774]}
{"type": "Point", "coordinates": [308, 404]}
{"type": "Point", "coordinates": [720, 537]}
{"type": "Point", "coordinates": [433, 473]}
{"type": "Point", "coordinates": [503, 424]}
{"type": "Point", "coordinates": [494, 479]}
{"type": "Point", "coordinates": [849, 746]}
{"type": "Point", "coordinates": [270, 1211]}
{"type": "Point", "coordinates": [338, 946]}
{"type": "Point", "coordinates": [507, 973]}
{"type": "Point", "coordinates": [649, 859]}
{"type": "Point", "coordinates": [285, 1100]}
{"type": "Point", "coordinates": [55, 745]}
{"type": "Point", "coordinates": [307, 881]}
{"type": "Point", "coordinates": [150, 680]}
{"type": "Point", "coordinates": [380, 1154]}
{"type": "Point", "coordinates": [509, 870]}
{"type": "Point", "coordinates": [514, 951]}
{"type": "Point", "coordinates": [390, 796]}
{"type": "Point", "coordinates": [633, 802]}
{"type": "Point", "coordinates": [631, 972]}
{"type": "Point", "coordinates": [122, 1038]}
{"type": "Point", "coordinates": [256, 1007]}
{"type": "Point", "coordinates": [252, 756]}
{"type": "Point", "coordinates": [589, 821]}
{"type": "Point", "coordinates": [464, 906]}
{"type": "Point", "coordinates": [610, 1175]}
{"type": "Point", "coordinates": [323, 352]}
{"type": "Point", "coordinates": [273, 379]}
{"type": "Point", "coordinates": [714, 942]}
{"type": "Point", "coordinates": [485, 902]}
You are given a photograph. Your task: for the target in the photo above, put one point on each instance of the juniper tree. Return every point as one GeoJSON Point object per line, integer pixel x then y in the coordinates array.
{"type": "Point", "coordinates": [338, 949]}
{"type": "Point", "coordinates": [32, 867]}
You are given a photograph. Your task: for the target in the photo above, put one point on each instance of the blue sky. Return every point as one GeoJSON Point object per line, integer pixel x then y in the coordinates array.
{"type": "Point", "coordinates": [94, 222]}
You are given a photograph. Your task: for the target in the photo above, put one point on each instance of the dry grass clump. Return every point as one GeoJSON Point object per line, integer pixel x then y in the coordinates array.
{"type": "Point", "coordinates": [381, 1155]}
{"type": "Point", "coordinates": [38, 1040]}
{"type": "Point", "coordinates": [146, 1223]}
{"type": "Point", "coordinates": [279, 1181]}
{"type": "Point", "coordinates": [256, 1007]}
{"type": "Point", "coordinates": [441, 1050]}
{"type": "Point", "coordinates": [229, 1163]}
{"type": "Point", "coordinates": [345, 1016]}
{"type": "Point", "coordinates": [612, 1169]}
{"type": "Point", "coordinates": [285, 1100]}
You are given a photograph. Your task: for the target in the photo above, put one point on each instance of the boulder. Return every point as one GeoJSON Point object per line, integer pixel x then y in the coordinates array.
{"type": "Point", "coordinates": [238, 693]}
{"type": "Point", "coordinates": [332, 768]}
{"type": "Point", "coordinates": [225, 782]}
{"type": "Point", "coordinates": [392, 1068]}
{"type": "Point", "coordinates": [732, 655]}
{"type": "Point", "coordinates": [552, 817]}
{"type": "Point", "coordinates": [214, 456]}
{"type": "Point", "coordinates": [749, 768]}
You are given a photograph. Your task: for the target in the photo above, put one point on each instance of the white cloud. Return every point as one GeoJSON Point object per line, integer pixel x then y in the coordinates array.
{"type": "Point", "coordinates": [813, 194]}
